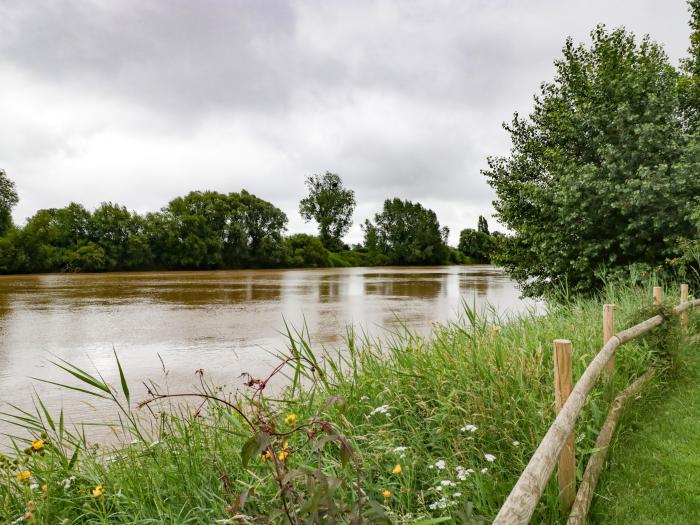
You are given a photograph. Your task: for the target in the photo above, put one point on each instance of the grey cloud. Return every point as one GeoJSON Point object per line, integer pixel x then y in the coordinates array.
{"type": "Point", "coordinates": [140, 100]}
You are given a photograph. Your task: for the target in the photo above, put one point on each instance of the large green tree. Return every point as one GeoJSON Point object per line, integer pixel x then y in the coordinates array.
{"type": "Point", "coordinates": [601, 175]}
{"type": "Point", "coordinates": [407, 233]}
{"type": "Point", "coordinates": [8, 200]}
{"type": "Point", "coordinates": [331, 205]}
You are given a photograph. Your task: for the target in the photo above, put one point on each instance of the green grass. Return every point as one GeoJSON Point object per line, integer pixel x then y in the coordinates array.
{"type": "Point", "coordinates": [493, 373]}
{"type": "Point", "coordinates": [653, 474]}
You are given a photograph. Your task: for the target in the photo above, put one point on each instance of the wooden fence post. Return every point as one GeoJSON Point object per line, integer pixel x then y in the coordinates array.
{"type": "Point", "coordinates": [563, 384]}
{"type": "Point", "coordinates": [608, 332]}
{"type": "Point", "coordinates": [684, 315]}
{"type": "Point", "coordinates": [658, 295]}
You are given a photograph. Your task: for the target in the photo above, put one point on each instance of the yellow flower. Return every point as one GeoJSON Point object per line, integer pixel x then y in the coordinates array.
{"type": "Point", "coordinates": [284, 453]}
{"type": "Point", "coordinates": [265, 456]}
{"type": "Point", "coordinates": [97, 491]}
{"type": "Point", "coordinates": [386, 494]}
{"type": "Point", "coordinates": [38, 445]}
{"type": "Point", "coordinates": [396, 469]}
{"type": "Point", "coordinates": [290, 419]}
{"type": "Point", "coordinates": [23, 476]}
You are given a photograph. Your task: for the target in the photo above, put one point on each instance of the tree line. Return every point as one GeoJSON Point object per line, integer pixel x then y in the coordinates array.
{"type": "Point", "coordinates": [211, 230]}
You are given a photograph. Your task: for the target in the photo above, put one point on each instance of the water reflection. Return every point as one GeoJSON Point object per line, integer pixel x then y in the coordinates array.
{"type": "Point", "coordinates": [226, 322]}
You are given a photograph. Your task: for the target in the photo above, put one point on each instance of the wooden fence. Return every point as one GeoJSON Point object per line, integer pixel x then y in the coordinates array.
{"type": "Point", "coordinates": [557, 446]}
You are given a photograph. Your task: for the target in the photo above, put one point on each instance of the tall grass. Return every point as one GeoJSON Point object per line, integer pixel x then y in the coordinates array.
{"type": "Point", "coordinates": [460, 412]}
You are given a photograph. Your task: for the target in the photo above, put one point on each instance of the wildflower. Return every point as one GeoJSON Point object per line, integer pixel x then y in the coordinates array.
{"type": "Point", "coordinates": [516, 443]}
{"type": "Point", "coordinates": [484, 470]}
{"type": "Point", "coordinates": [440, 464]}
{"type": "Point", "coordinates": [284, 453]}
{"type": "Point", "coordinates": [384, 409]}
{"type": "Point", "coordinates": [23, 476]}
{"type": "Point", "coordinates": [97, 491]}
{"type": "Point", "coordinates": [290, 419]}
{"type": "Point", "coordinates": [38, 445]}
{"type": "Point", "coordinates": [396, 469]}
{"type": "Point", "coordinates": [386, 494]}
{"type": "Point", "coordinates": [44, 488]}
{"type": "Point", "coordinates": [401, 451]}
{"type": "Point", "coordinates": [456, 494]}
{"type": "Point", "coordinates": [34, 486]}
{"type": "Point", "coordinates": [447, 483]}
{"type": "Point", "coordinates": [67, 482]}
{"type": "Point", "coordinates": [266, 456]}
{"type": "Point", "coordinates": [490, 458]}
{"type": "Point", "coordinates": [364, 398]}
{"type": "Point", "coordinates": [468, 428]}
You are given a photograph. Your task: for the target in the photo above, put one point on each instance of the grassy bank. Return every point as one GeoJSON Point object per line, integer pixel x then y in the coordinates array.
{"type": "Point", "coordinates": [406, 430]}
{"type": "Point", "coordinates": [654, 468]}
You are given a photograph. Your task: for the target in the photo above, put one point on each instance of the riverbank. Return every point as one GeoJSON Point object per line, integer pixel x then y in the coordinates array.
{"type": "Point", "coordinates": [407, 429]}
{"type": "Point", "coordinates": [654, 467]}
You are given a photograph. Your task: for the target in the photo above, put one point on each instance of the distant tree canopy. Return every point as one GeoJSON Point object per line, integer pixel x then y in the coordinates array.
{"type": "Point", "coordinates": [8, 200]}
{"type": "Point", "coordinates": [211, 230]}
{"type": "Point", "coordinates": [406, 233]}
{"type": "Point", "coordinates": [479, 245]}
{"type": "Point", "coordinates": [331, 205]}
{"type": "Point", "coordinates": [200, 230]}
{"type": "Point", "coordinates": [604, 172]}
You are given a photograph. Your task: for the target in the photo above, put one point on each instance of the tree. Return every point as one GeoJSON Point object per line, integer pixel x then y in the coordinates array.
{"type": "Point", "coordinates": [331, 205]}
{"type": "Point", "coordinates": [690, 72]}
{"type": "Point", "coordinates": [483, 226]}
{"type": "Point", "coordinates": [407, 233]}
{"type": "Point", "coordinates": [306, 251]}
{"type": "Point", "coordinates": [8, 200]}
{"type": "Point", "coordinates": [476, 244]}
{"type": "Point", "coordinates": [601, 175]}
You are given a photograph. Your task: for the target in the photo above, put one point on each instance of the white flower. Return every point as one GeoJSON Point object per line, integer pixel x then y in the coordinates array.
{"type": "Point", "coordinates": [68, 482]}
{"type": "Point", "coordinates": [456, 494]}
{"type": "Point", "coordinates": [490, 458]}
{"type": "Point", "coordinates": [484, 470]}
{"type": "Point", "coordinates": [516, 443]}
{"type": "Point", "coordinates": [447, 483]}
{"type": "Point", "coordinates": [364, 398]}
{"type": "Point", "coordinates": [18, 520]}
{"type": "Point", "coordinates": [400, 449]}
{"type": "Point", "coordinates": [34, 486]}
{"type": "Point", "coordinates": [468, 428]}
{"type": "Point", "coordinates": [384, 409]}
{"type": "Point", "coordinates": [464, 473]}
{"type": "Point", "coordinates": [440, 464]}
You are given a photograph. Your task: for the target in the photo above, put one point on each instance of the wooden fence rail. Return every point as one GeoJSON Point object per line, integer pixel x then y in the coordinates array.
{"type": "Point", "coordinates": [523, 498]}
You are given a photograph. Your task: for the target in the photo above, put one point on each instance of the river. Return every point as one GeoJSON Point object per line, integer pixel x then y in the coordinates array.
{"type": "Point", "coordinates": [225, 322]}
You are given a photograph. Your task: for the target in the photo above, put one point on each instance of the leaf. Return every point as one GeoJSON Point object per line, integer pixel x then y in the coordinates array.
{"type": "Point", "coordinates": [254, 447]}
{"type": "Point", "coordinates": [122, 378]}
{"type": "Point", "coordinates": [346, 453]}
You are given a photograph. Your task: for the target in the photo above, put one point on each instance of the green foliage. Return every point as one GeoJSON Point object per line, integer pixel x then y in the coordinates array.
{"type": "Point", "coordinates": [601, 175]}
{"type": "Point", "coordinates": [406, 233]}
{"type": "Point", "coordinates": [8, 200]}
{"type": "Point", "coordinates": [331, 205]}
{"type": "Point", "coordinates": [306, 251]}
{"type": "Point", "coordinates": [200, 230]}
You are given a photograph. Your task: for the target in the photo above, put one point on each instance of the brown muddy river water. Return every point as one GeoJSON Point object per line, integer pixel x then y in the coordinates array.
{"type": "Point", "coordinates": [226, 322]}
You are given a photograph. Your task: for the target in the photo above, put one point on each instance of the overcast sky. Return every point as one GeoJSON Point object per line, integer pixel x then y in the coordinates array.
{"type": "Point", "coordinates": [140, 101]}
